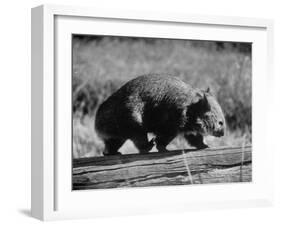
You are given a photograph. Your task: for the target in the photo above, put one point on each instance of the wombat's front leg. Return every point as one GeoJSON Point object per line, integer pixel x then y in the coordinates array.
{"type": "Point", "coordinates": [196, 140]}
{"type": "Point", "coordinates": [142, 143]}
{"type": "Point", "coordinates": [162, 141]}
{"type": "Point", "coordinates": [112, 146]}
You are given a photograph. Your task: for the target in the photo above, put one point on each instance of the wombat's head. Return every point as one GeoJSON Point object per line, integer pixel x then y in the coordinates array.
{"type": "Point", "coordinates": [207, 116]}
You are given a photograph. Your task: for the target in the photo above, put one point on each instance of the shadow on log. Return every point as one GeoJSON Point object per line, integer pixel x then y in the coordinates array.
{"type": "Point", "coordinates": [178, 167]}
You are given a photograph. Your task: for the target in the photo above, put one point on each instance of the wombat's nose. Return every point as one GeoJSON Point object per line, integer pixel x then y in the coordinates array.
{"type": "Point", "coordinates": [219, 133]}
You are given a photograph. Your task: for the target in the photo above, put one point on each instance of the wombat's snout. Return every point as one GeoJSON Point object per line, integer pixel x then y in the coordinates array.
{"type": "Point", "coordinates": [219, 132]}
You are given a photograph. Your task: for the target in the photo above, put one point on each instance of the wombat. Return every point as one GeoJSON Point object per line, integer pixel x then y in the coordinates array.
{"type": "Point", "coordinates": [159, 104]}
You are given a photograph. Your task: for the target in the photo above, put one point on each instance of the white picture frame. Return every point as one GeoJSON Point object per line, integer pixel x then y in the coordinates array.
{"type": "Point", "coordinates": [52, 197]}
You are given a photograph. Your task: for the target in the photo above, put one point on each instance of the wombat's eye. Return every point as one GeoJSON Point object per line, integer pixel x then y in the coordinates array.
{"type": "Point", "coordinates": [220, 123]}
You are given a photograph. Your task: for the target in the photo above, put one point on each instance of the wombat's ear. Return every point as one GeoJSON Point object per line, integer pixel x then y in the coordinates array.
{"type": "Point", "coordinates": [200, 98]}
{"type": "Point", "coordinates": [199, 94]}
{"type": "Point", "coordinates": [200, 102]}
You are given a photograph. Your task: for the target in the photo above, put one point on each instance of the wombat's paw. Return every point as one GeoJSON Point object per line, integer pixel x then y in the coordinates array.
{"type": "Point", "coordinates": [108, 154]}
{"type": "Point", "coordinates": [202, 146]}
{"type": "Point", "coordinates": [144, 151]}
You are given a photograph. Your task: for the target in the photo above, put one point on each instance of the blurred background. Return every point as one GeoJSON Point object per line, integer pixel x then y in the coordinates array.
{"type": "Point", "coordinates": [102, 64]}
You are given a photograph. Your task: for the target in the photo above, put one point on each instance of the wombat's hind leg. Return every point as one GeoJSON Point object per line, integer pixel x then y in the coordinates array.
{"type": "Point", "coordinates": [196, 140]}
{"type": "Point", "coordinates": [142, 143]}
{"type": "Point", "coordinates": [162, 141]}
{"type": "Point", "coordinates": [112, 145]}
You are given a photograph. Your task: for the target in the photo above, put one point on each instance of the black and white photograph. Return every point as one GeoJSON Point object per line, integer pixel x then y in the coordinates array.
{"type": "Point", "coordinates": [160, 112]}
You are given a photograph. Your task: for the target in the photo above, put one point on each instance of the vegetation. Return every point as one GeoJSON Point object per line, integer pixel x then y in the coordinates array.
{"type": "Point", "coordinates": [102, 64]}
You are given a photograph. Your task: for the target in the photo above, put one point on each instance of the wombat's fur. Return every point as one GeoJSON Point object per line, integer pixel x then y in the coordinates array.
{"type": "Point", "coordinates": [162, 105]}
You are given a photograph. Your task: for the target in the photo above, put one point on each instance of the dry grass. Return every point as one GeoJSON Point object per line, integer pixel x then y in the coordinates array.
{"type": "Point", "coordinates": [101, 66]}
